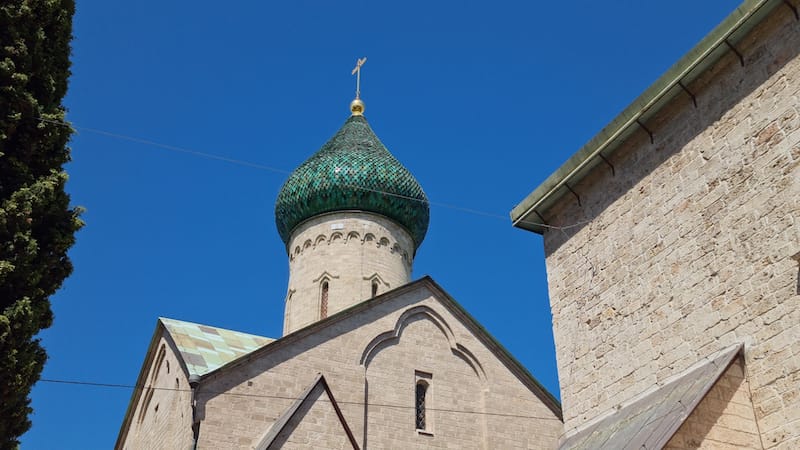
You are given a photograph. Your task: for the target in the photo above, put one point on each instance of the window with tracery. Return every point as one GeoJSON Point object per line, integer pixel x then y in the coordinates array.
{"type": "Point", "coordinates": [422, 390]}
{"type": "Point", "coordinates": [323, 302]}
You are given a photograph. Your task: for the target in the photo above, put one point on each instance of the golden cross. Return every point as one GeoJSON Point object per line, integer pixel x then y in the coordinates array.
{"type": "Point", "coordinates": [357, 72]}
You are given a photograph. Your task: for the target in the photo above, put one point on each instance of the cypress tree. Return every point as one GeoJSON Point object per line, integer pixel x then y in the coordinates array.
{"type": "Point", "coordinates": [37, 224]}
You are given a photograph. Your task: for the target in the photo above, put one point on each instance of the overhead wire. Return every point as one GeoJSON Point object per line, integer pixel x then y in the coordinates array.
{"type": "Point", "coordinates": [281, 397]}
{"type": "Point", "coordinates": [173, 148]}
{"type": "Point", "coordinates": [250, 164]}
{"type": "Point", "coordinates": [273, 169]}
{"type": "Point", "coordinates": [245, 163]}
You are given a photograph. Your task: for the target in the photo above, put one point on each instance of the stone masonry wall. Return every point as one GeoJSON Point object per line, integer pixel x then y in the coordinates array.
{"type": "Point", "coordinates": [313, 426]}
{"type": "Point", "coordinates": [453, 386]}
{"type": "Point", "coordinates": [693, 245]}
{"type": "Point", "coordinates": [723, 419]}
{"type": "Point", "coordinates": [370, 360]}
{"type": "Point", "coordinates": [350, 250]}
{"type": "Point", "coordinates": [162, 417]}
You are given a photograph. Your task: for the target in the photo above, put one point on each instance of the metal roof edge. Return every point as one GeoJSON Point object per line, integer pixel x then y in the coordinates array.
{"type": "Point", "coordinates": [650, 101]}
{"type": "Point", "coordinates": [726, 355]}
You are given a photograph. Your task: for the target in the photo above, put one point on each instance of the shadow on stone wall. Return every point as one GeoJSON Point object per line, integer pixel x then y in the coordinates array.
{"type": "Point", "coordinates": [721, 406]}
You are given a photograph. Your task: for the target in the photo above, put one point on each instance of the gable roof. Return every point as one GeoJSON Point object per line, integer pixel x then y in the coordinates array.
{"type": "Point", "coordinates": [204, 349]}
{"type": "Point", "coordinates": [200, 349]}
{"type": "Point", "coordinates": [305, 400]}
{"type": "Point", "coordinates": [649, 420]}
{"type": "Point", "coordinates": [721, 40]}
{"type": "Point", "coordinates": [446, 300]}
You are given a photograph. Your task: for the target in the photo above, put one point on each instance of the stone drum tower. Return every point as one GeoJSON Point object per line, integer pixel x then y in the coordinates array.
{"type": "Point", "coordinates": [352, 218]}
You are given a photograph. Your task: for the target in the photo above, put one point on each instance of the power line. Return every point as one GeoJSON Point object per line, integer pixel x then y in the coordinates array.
{"type": "Point", "coordinates": [169, 147]}
{"type": "Point", "coordinates": [273, 169]}
{"type": "Point", "coordinates": [280, 397]}
{"type": "Point", "coordinates": [286, 172]}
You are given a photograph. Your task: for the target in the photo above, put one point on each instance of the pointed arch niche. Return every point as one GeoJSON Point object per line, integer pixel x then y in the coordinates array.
{"type": "Point", "coordinates": [324, 283]}
{"type": "Point", "coordinates": [376, 285]}
{"type": "Point", "coordinates": [401, 364]}
{"type": "Point", "coordinates": [392, 337]}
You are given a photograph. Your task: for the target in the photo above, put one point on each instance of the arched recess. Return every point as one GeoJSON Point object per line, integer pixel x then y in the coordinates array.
{"type": "Point", "coordinates": [377, 285]}
{"type": "Point", "coordinates": [156, 368]}
{"type": "Point", "coordinates": [324, 283]}
{"type": "Point", "coordinates": [392, 337]}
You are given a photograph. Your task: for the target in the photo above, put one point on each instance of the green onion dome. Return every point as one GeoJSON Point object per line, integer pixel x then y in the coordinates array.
{"type": "Point", "coordinates": [353, 171]}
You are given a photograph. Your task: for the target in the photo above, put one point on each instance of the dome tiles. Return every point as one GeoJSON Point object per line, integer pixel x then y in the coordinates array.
{"type": "Point", "coordinates": [353, 171]}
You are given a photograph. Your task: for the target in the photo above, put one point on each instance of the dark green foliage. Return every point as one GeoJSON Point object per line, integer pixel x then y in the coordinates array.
{"type": "Point", "coordinates": [37, 225]}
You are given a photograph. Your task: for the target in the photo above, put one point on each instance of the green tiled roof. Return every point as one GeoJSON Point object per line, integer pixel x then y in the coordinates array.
{"type": "Point", "coordinates": [205, 348]}
{"type": "Point", "coordinates": [353, 171]}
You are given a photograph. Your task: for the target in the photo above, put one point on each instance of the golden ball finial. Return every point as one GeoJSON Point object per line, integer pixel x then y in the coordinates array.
{"type": "Point", "coordinates": [357, 107]}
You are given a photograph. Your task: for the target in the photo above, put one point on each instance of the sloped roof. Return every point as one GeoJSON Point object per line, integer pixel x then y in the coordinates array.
{"type": "Point", "coordinates": [721, 40]}
{"type": "Point", "coordinates": [649, 420]}
{"type": "Point", "coordinates": [503, 355]}
{"type": "Point", "coordinates": [204, 348]}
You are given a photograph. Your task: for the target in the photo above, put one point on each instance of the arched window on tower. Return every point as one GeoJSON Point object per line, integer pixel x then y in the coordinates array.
{"type": "Point", "coordinates": [422, 390]}
{"type": "Point", "coordinates": [374, 288]}
{"type": "Point", "coordinates": [323, 301]}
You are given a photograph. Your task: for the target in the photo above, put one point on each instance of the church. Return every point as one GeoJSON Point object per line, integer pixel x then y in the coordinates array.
{"type": "Point", "coordinates": [368, 358]}
{"type": "Point", "coordinates": [672, 244]}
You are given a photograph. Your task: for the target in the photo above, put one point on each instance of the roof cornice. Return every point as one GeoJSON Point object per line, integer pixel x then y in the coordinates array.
{"type": "Point", "coordinates": [446, 299]}
{"type": "Point", "coordinates": [528, 214]}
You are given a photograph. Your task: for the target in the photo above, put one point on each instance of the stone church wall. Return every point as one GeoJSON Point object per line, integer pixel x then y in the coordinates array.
{"type": "Point", "coordinates": [349, 251]}
{"type": "Point", "coordinates": [693, 245]}
{"type": "Point", "coordinates": [312, 426]}
{"type": "Point", "coordinates": [371, 360]}
{"type": "Point", "coordinates": [163, 414]}
{"type": "Point", "coordinates": [723, 419]}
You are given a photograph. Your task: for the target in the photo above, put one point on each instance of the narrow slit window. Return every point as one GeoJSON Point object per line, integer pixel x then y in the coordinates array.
{"type": "Point", "coordinates": [422, 390]}
{"type": "Point", "coordinates": [323, 303]}
{"type": "Point", "coordinates": [374, 288]}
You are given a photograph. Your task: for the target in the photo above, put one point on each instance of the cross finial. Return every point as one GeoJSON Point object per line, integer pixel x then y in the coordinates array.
{"type": "Point", "coordinates": [357, 106]}
{"type": "Point", "coordinates": [357, 73]}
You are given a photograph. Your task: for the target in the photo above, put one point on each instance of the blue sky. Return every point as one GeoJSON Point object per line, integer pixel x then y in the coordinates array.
{"type": "Point", "coordinates": [480, 100]}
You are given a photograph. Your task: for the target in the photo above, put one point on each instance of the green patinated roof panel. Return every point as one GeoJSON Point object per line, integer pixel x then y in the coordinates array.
{"type": "Point", "coordinates": [205, 349]}
{"type": "Point", "coordinates": [353, 171]}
